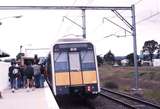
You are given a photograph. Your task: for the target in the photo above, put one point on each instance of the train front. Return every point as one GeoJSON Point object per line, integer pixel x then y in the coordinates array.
{"type": "Point", "coordinates": [75, 69]}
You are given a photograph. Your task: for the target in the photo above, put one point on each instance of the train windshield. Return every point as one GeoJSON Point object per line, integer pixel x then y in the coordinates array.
{"type": "Point", "coordinates": [87, 60]}
{"type": "Point", "coordinates": [80, 57]}
{"type": "Point", "coordinates": [61, 61]}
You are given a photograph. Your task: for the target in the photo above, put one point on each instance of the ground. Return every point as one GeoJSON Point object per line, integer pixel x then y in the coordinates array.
{"type": "Point", "coordinates": [122, 78]}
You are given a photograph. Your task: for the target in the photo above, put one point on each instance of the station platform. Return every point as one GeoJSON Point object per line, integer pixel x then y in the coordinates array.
{"type": "Point", "coordinates": [39, 98]}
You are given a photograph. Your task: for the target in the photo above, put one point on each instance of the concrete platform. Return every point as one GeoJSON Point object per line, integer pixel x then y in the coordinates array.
{"type": "Point", "coordinates": [39, 98]}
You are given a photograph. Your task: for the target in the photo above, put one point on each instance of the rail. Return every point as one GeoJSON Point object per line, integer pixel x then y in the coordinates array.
{"type": "Point", "coordinates": [129, 97]}
{"type": "Point", "coordinates": [117, 101]}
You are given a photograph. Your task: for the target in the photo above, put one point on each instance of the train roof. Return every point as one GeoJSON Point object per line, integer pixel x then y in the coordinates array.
{"type": "Point", "coordinates": [71, 40]}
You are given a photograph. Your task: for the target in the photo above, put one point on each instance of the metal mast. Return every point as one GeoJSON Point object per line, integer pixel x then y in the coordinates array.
{"type": "Point", "coordinates": [84, 23]}
{"type": "Point", "coordinates": [135, 47]}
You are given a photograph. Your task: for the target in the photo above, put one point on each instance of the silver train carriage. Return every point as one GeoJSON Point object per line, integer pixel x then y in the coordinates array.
{"type": "Point", "coordinates": [73, 67]}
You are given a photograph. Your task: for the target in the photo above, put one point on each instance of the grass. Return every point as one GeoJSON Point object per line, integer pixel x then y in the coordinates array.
{"type": "Point", "coordinates": [153, 95]}
{"type": "Point", "coordinates": [123, 77]}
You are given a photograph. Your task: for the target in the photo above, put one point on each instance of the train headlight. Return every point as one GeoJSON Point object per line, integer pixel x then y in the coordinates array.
{"type": "Point", "coordinates": [89, 88]}
{"type": "Point", "coordinates": [73, 49]}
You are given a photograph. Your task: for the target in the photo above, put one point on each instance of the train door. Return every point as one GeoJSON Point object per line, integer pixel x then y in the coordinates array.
{"type": "Point", "coordinates": [75, 68]}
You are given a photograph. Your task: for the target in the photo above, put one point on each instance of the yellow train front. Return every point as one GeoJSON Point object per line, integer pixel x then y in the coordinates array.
{"type": "Point", "coordinates": [74, 68]}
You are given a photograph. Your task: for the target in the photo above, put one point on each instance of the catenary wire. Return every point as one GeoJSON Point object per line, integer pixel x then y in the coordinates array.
{"type": "Point", "coordinates": [61, 24]}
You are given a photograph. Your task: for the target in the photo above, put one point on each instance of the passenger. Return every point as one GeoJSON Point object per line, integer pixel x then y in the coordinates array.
{"type": "Point", "coordinates": [29, 74]}
{"type": "Point", "coordinates": [22, 76]}
{"type": "Point", "coordinates": [42, 77]}
{"type": "Point", "coordinates": [37, 74]}
{"type": "Point", "coordinates": [13, 71]}
{"type": "Point", "coordinates": [18, 77]}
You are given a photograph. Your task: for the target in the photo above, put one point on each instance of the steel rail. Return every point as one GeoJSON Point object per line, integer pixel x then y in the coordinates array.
{"type": "Point", "coordinates": [132, 98]}
{"type": "Point", "coordinates": [118, 101]}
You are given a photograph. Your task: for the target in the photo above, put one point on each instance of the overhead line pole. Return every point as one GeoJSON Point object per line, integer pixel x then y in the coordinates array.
{"type": "Point", "coordinates": [135, 48]}
{"type": "Point", "coordinates": [84, 23]}
{"type": "Point", "coordinates": [133, 31]}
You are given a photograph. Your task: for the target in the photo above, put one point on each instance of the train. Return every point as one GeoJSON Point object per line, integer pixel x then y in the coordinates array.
{"type": "Point", "coordinates": [72, 68]}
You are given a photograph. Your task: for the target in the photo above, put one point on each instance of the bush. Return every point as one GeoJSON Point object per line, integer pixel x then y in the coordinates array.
{"type": "Point", "coordinates": [111, 85]}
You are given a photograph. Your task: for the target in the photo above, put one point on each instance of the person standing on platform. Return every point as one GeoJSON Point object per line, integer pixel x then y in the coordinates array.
{"type": "Point", "coordinates": [29, 74]}
{"type": "Point", "coordinates": [22, 76]}
{"type": "Point", "coordinates": [42, 78]}
{"type": "Point", "coordinates": [13, 71]}
{"type": "Point", "coordinates": [37, 74]}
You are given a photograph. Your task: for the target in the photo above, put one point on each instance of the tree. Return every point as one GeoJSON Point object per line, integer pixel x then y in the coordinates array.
{"type": "Point", "coordinates": [19, 56]}
{"type": "Point", "coordinates": [99, 60]}
{"type": "Point", "coordinates": [158, 52]}
{"type": "Point", "coordinates": [150, 47]}
{"type": "Point", "coordinates": [130, 58]}
{"type": "Point", "coordinates": [109, 58]}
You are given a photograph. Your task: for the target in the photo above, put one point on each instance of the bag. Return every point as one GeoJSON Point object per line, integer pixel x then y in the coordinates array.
{"type": "Point", "coordinates": [15, 71]}
{"type": "Point", "coordinates": [36, 69]}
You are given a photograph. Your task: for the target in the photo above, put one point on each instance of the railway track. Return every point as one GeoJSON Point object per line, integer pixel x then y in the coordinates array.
{"type": "Point", "coordinates": [127, 101]}
{"type": "Point", "coordinates": [75, 103]}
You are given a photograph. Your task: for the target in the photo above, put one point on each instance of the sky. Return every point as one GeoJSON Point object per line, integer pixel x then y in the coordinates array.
{"type": "Point", "coordinates": [40, 28]}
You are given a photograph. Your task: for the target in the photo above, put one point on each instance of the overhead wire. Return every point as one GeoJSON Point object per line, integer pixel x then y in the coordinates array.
{"type": "Point", "coordinates": [115, 33]}
{"type": "Point", "coordinates": [61, 24]}
{"type": "Point", "coordinates": [140, 21]}
{"type": "Point", "coordinates": [136, 3]}
{"type": "Point", "coordinates": [99, 25]}
{"type": "Point", "coordinates": [148, 17]}
{"type": "Point", "coordinates": [69, 27]}
{"type": "Point", "coordinates": [88, 3]}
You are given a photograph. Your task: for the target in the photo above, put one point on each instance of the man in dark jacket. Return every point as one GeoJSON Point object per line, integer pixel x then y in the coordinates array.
{"type": "Point", "coordinates": [13, 71]}
{"type": "Point", "coordinates": [29, 74]}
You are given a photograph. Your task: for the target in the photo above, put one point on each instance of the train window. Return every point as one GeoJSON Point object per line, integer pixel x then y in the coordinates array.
{"type": "Point", "coordinates": [61, 61]}
{"type": "Point", "coordinates": [87, 60]}
{"type": "Point", "coordinates": [74, 61]}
